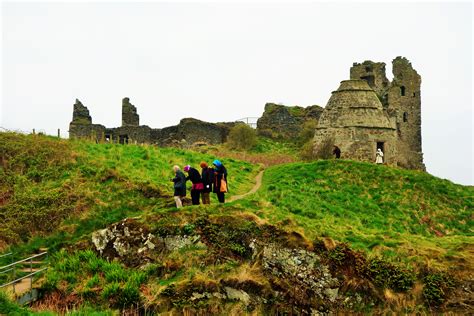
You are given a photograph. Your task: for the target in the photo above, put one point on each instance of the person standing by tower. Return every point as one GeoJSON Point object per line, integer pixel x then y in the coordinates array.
{"type": "Point", "coordinates": [336, 152]}
{"type": "Point", "coordinates": [379, 156]}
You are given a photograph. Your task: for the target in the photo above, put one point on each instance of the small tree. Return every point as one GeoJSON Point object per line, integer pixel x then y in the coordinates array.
{"type": "Point", "coordinates": [307, 152]}
{"type": "Point", "coordinates": [242, 137]}
{"type": "Point", "coordinates": [307, 132]}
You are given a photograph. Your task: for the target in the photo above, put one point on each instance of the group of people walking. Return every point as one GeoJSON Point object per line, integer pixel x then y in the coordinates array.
{"type": "Point", "coordinates": [211, 179]}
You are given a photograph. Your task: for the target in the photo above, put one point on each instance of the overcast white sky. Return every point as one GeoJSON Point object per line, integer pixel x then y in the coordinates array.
{"type": "Point", "coordinates": [221, 62]}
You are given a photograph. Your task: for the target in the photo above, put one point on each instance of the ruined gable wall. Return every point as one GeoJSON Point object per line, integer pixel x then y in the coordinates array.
{"type": "Point", "coordinates": [404, 99]}
{"type": "Point", "coordinates": [374, 74]}
{"type": "Point", "coordinates": [129, 113]}
{"type": "Point", "coordinates": [81, 125]}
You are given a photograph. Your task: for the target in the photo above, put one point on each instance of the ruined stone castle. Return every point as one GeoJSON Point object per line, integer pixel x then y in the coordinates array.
{"type": "Point", "coordinates": [365, 113]}
{"type": "Point", "coordinates": [188, 132]}
{"type": "Point", "coordinates": [369, 112]}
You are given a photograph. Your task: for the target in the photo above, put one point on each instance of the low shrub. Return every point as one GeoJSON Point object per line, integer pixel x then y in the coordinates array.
{"type": "Point", "coordinates": [242, 137]}
{"type": "Point", "coordinates": [386, 275]}
{"type": "Point", "coordinates": [438, 285]}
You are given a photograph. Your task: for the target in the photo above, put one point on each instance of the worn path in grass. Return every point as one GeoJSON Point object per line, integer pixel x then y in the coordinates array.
{"type": "Point", "coordinates": [258, 184]}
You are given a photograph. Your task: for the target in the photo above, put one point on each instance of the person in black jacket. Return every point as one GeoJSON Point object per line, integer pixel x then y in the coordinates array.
{"type": "Point", "coordinates": [207, 179]}
{"type": "Point", "coordinates": [179, 186]}
{"type": "Point", "coordinates": [196, 179]}
{"type": "Point", "coordinates": [220, 175]}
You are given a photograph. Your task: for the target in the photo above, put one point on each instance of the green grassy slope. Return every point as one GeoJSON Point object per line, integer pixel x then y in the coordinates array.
{"type": "Point", "coordinates": [65, 189]}
{"type": "Point", "coordinates": [379, 209]}
{"type": "Point", "coordinates": [55, 193]}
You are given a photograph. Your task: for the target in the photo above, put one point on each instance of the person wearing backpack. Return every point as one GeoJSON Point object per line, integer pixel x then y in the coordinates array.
{"type": "Point", "coordinates": [179, 186]}
{"type": "Point", "coordinates": [207, 175]}
{"type": "Point", "coordinates": [220, 180]}
{"type": "Point", "coordinates": [197, 187]}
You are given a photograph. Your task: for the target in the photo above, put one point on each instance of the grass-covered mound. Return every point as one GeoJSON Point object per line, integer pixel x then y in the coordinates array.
{"type": "Point", "coordinates": [65, 189]}
{"type": "Point", "coordinates": [328, 236]}
{"type": "Point", "coordinates": [395, 212]}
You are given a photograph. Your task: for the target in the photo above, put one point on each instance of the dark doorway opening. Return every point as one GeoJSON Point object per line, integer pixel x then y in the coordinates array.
{"type": "Point", "coordinates": [107, 138]}
{"type": "Point", "coordinates": [370, 80]}
{"type": "Point", "coordinates": [380, 145]}
{"type": "Point", "coordinates": [402, 91]}
{"type": "Point", "coordinates": [123, 139]}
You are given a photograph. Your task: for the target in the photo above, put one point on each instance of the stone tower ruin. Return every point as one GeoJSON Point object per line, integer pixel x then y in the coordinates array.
{"type": "Point", "coordinates": [129, 114]}
{"type": "Point", "coordinates": [369, 112]}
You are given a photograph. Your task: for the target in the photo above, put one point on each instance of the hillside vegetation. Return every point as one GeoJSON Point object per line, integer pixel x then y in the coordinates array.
{"type": "Point", "coordinates": [326, 236]}
{"type": "Point", "coordinates": [46, 183]}
{"type": "Point", "coordinates": [407, 215]}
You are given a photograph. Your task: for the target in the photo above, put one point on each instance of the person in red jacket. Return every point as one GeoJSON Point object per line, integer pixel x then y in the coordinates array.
{"type": "Point", "coordinates": [196, 179]}
{"type": "Point", "coordinates": [207, 175]}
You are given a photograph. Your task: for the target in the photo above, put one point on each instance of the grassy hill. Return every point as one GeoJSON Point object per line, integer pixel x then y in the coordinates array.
{"type": "Point", "coordinates": [328, 235]}
{"type": "Point", "coordinates": [70, 188]}
{"type": "Point", "coordinates": [404, 214]}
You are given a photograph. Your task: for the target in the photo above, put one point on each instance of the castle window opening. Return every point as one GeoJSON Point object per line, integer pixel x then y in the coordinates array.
{"type": "Point", "coordinates": [414, 94]}
{"type": "Point", "coordinates": [370, 80]}
{"type": "Point", "coordinates": [405, 117]}
{"type": "Point", "coordinates": [402, 91]}
{"type": "Point", "coordinates": [123, 139]}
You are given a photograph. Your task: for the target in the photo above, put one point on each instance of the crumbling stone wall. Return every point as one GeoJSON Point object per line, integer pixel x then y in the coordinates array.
{"type": "Point", "coordinates": [80, 114]}
{"type": "Point", "coordinates": [191, 131]}
{"type": "Point", "coordinates": [402, 100]}
{"type": "Point", "coordinates": [354, 119]}
{"type": "Point", "coordinates": [285, 122]}
{"type": "Point", "coordinates": [374, 74]}
{"type": "Point", "coordinates": [129, 113]}
{"type": "Point", "coordinates": [188, 132]}
{"type": "Point", "coordinates": [81, 125]}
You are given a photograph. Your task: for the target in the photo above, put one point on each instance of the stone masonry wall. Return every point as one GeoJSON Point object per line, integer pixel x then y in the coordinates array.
{"type": "Point", "coordinates": [188, 132]}
{"type": "Point", "coordinates": [129, 114]}
{"type": "Point", "coordinates": [191, 131]}
{"type": "Point", "coordinates": [374, 74]}
{"type": "Point", "coordinates": [285, 122]}
{"type": "Point", "coordinates": [402, 100]}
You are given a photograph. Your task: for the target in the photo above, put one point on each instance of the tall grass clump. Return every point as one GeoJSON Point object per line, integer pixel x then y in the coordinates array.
{"type": "Point", "coordinates": [98, 281]}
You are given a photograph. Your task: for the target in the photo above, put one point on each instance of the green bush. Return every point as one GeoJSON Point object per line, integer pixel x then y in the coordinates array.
{"type": "Point", "coordinates": [438, 285]}
{"type": "Point", "coordinates": [242, 137]}
{"type": "Point", "coordinates": [7, 307]}
{"type": "Point", "coordinates": [387, 275]}
{"type": "Point", "coordinates": [307, 132]}
{"type": "Point", "coordinates": [307, 152]}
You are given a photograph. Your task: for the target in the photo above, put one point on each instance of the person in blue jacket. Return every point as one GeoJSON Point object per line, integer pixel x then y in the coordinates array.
{"type": "Point", "coordinates": [220, 176]}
